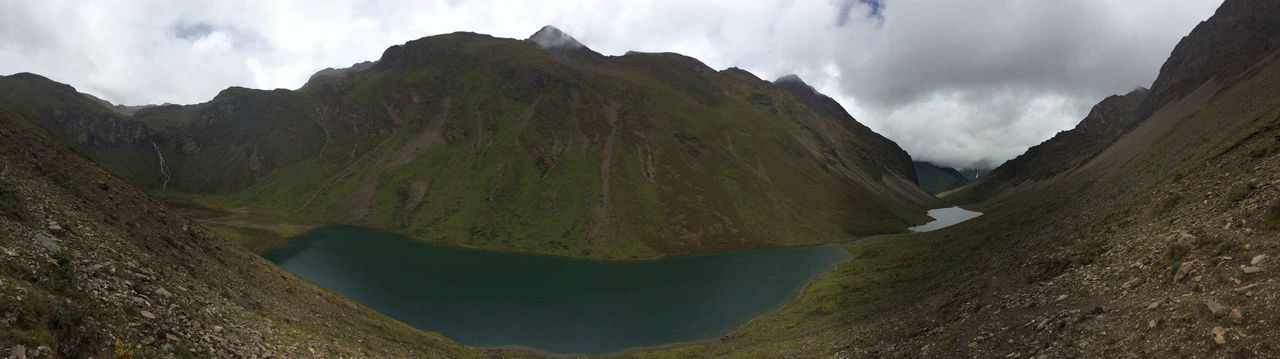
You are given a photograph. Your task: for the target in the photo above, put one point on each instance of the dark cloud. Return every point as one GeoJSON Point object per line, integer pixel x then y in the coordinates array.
{"type": "Point", "coordinates": [847, 8]}
{"type": "Point", "coordinates": [192, 32]}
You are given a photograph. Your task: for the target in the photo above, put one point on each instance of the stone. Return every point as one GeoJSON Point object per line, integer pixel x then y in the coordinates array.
{"type": "Point", "coordinates": [1236, 316]}
{"type": "Point", "coordinates": [1183, 269]}
{"type": "Point", "coordinates": [10, 252]}
{"type": "Point", "coordinates": [217, 329]}
{"type": "Point", "coordinates": [18, 352]}
{"type": "Point", "coordinates": [1217, 309]}
{"type": "Point", "coordinates": [1220, 335]}
{"type": "Point", "coordinates": [47, 241]}
{"type": "Point", "coordinates": [1061, 298]}
{"type": "Point", "coordinates": [164, 293]}
{"type": "Point", "coordinates": [55, 227]}
{"type": "Point", "coordinates": [1257, 259]}
{"type": "Point", "coordinates": [1153, 323]}
{"type": "Point", "coordinates": [1251, 269]}
{"type": "Point", "coordinates": [1153, 305]}
{"type": "Point", "coordinates": [148, 315]}
{"type": "Point", "coordinates": [1185, 237]}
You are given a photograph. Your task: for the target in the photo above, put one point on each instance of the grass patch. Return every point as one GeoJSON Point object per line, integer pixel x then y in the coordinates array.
{"type": "Point", "coordinates": [1273, 217]}
{"type": "Point", "coordinates": [11, 205]}
{"type": "Point", "coordinates": [1240, 192]}
{"type": "Point", "coordinates": [1263, 151]}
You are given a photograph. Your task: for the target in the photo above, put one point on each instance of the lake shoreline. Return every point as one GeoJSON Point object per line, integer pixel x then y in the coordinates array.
{"type": "Point", "coordinates": [484, 298]}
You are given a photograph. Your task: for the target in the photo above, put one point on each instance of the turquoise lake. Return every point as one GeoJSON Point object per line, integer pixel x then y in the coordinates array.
{"type": "Point", "coordinates": [552, 304]}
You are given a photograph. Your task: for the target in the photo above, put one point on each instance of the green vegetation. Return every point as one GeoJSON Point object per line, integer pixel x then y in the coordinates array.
{"type": "Point", "coordinates": [11, 204]}
{"type": "Point", "coordinates": [1273, 217]}
{"type": "Point", "coordinates": [46, 309]}
{"type": "Point", "coordinates": [1240, 192]}
{"type": "Point", "coordinates": [492, 143]}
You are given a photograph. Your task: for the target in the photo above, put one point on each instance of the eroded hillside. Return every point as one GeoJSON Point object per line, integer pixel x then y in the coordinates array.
{"type": "Point", "coordinates": [512, 145]}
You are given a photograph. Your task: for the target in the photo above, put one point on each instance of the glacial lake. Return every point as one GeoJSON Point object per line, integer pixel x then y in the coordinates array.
{"type": "Point", "coordinates": [552, 304]}
{"type": "Point", "coordinates": [945, 217]}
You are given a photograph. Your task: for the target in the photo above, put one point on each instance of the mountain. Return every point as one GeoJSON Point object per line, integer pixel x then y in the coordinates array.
{"type": "Point", "coordinates": [972, 173]}
{"type": "Point", "coordinates": [540, 146]}
{"type": "Point", "coordinates": [91, 267]}
{"type": "Point", "coordinates": [936, 179]}
{"type": "Point", "coordinates": [1067, 150]}
{"type": "Point", "coordinates": [1241, 34]}
{"type": "Point", "coordinates": [1147, 231]}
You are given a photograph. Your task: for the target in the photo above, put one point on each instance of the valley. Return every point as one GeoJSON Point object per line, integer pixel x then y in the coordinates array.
{"type": "Point", "coordinates": [466, 195]}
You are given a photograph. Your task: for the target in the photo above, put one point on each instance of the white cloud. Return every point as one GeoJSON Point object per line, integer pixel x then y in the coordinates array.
{"type": "Point", "coordinates": [954, 81]}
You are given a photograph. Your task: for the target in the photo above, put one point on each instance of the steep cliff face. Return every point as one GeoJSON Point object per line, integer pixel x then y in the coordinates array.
{"type": "Point", "coordinates": [109, 137]}
{"type": "Point", "coordinates": [541, 146]}
{"type": "Point", "coordinates": [1232, 42]}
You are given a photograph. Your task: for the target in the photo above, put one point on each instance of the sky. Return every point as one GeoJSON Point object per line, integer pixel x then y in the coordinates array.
{"type": "Point", "coordinates": [957, 82]}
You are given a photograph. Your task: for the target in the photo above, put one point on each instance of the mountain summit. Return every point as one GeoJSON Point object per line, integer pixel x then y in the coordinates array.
{"type": "Point", "coordinates": [549, 37]}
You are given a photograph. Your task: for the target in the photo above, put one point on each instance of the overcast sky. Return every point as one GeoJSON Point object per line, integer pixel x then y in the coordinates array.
{"type": "Point", "coordinates": [952, 81]}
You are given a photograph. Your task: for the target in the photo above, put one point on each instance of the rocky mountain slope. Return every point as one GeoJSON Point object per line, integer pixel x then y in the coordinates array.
{"type": "Point", "coordinates": [91, 267]}
{"type": "Point", "coordinates": [937, 179]}
{"type": "Point", "coordinates": [540, 145]}
{"type": "Point", "coordinates": [1159, 242]}
{"type": "Point", "coordinates": [1067, 150]}
{"type": "Point", "coordinates": [1224, 49]}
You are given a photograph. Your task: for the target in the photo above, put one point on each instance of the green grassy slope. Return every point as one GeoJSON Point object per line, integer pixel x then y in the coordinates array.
{"type": "Point", "coordinates": [496, 143]}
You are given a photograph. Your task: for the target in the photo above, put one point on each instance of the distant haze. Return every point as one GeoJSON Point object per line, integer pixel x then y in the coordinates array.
{"type": "Point", "coordinates": [955, 82]}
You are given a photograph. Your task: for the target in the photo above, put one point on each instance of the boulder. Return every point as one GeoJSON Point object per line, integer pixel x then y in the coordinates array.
{"type": "Point", "coordinates": [47, 241]}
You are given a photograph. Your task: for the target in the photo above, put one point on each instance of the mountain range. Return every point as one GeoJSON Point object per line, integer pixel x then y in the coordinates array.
{"type": "Point", "coordinates": [1148, 230]}
{"type": "Point", "coordinates": [541, 145]}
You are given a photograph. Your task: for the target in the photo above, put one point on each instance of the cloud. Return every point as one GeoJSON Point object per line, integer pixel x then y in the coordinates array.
{"type": "Point", "coordinates": [953, 81]}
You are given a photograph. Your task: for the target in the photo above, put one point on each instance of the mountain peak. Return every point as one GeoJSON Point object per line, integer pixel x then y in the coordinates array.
{"type": "Point", "coordinates": [549, 37]}
{"type": "Point", "coordinates": [793, 82]}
